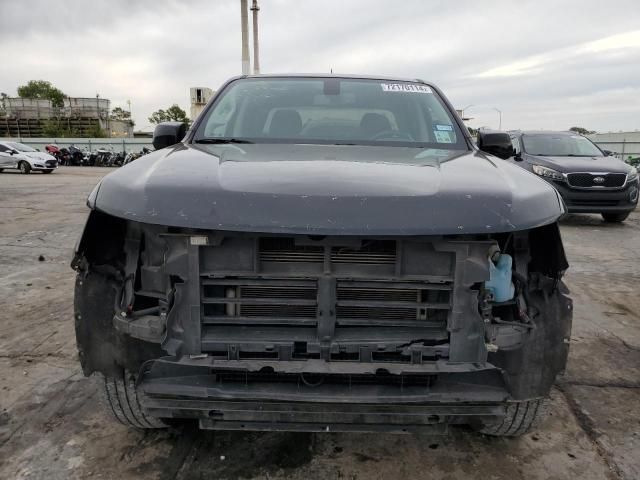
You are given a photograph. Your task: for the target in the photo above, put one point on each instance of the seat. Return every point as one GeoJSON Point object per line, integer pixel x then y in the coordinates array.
{"type": "Point", "coordinates": [374, 123]}
{"type": "Point", "coordinates": [285, 124]}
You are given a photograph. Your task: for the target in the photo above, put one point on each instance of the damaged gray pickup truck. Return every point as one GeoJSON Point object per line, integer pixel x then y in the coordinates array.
{"type": "Point", "coordinates": [324, 253]}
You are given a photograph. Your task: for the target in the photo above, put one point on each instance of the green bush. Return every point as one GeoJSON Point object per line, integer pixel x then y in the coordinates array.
{"type": "Point", "coordinates": [57, 129]}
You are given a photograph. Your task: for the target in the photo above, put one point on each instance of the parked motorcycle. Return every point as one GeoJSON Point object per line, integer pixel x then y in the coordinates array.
{"type": "Point", "coordinates": [61, 154]}
{"type": "Point", "coordinates": [116, 159]}
{"type": "Point", "coordinates": [75, 156]}
{"type": "Point", "coordinates": [52, 149]}
{"type": "Point", "coordinates": [131, 156]}
{"type": "Point", "coordinates": [100, 157]}
{"type": "Point", "coordinates": [64, 156]}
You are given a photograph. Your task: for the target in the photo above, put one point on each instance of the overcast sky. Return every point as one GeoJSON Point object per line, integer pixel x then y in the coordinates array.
{"type": "Point", "coordinates": [546, 64]}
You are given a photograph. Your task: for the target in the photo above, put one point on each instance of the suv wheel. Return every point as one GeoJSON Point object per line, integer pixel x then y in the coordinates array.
{"type": "Point", "coordinates": [121, 398]}
{"type": "Point", "coordinates": [518, 419]}
{"type": "Point", "coordinates": [24, 167]}
{"type": "Point", "coordinates": [615, 217]}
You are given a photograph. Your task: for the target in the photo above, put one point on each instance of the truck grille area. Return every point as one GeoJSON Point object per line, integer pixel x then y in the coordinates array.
{"type": "Point", "coordinates": [285, 250]}
{"type": "Point", "coordinates": [337, 299]}
{"type": "Point", "coordinates": [259, 301]}
{"type": "Point", "coordinates": [391, 304]}
{"type": "Point", "coordinates": [315, 380]}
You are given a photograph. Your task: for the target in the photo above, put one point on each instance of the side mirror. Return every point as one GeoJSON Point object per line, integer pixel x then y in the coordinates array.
{"type": "Point", "coordinates": [12, 152]}
{"type": "Point", "coordinates": [607, 153]}
{"type": "Point", "coordinates": [168, 133]}
{"type": "Point", "coordinates": [496, 143]}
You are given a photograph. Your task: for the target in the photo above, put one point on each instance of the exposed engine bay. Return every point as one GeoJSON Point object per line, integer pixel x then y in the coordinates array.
{"type": "Point", "coordinates": [328, 318]}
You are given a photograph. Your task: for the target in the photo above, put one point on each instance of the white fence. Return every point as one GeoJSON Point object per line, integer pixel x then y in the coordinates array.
{"type": "Point", "coordinates": [91, 144]}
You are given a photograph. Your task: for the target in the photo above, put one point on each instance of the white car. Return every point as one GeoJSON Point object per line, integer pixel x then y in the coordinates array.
{"type": "Point", "coordinates": [25, 158]}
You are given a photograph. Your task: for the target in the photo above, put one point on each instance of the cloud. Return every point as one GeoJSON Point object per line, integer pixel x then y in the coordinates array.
{"type": "Point", "coordinates": [624, 43]}
{"type": "Point", "coordinates": [614, 42]}
{"type": "Point", "coordinates": [545, 64]}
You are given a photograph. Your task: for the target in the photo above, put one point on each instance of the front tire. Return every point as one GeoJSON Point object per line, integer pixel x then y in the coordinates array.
{"type": "Point", "coordinates": [615, 217]}
{"type": "Point", "coordinates": [518, 419]}
{"type": "Point", "coordinates": [24, 167]}
{"type": "Point", "coordinates": [121, 398]}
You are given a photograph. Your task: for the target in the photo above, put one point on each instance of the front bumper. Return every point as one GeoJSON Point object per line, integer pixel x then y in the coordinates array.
{"type": "Point", "coordinates": [215, 394]}
{"type": "Point", "coordinates": [599, 200]}
{"type": "Point", "coordinates": [44, 165]}
{"type": "Point", "coordinates": [285, 333]}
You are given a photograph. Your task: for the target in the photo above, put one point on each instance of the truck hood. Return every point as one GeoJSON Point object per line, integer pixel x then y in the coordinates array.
{"type": "Point", "coordinates": [328, 189]}
{"type": "Point", "coordinates": [581, 164]}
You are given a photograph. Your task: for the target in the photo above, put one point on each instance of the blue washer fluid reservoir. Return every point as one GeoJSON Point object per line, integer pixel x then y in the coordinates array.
{"type": "Point", "coordinates": [500, 284]}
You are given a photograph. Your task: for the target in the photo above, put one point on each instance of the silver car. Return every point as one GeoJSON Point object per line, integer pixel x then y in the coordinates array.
{"type": "Point", "coordinates": [25, 158]}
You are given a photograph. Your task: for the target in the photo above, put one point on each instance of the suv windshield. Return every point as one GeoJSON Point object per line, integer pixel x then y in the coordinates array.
{"type": "Point", "coordinates": [560, 146]}
{"type": "Point", "coordinates": [21, 147]}
{"type": "Point", "coordinates": [330, 111]}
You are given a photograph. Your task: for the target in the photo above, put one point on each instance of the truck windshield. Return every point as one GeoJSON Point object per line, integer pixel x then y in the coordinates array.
{"type": "Point", "coordinates": [550, 145]}
{"type": "Point", "coordinates": [338, 111]}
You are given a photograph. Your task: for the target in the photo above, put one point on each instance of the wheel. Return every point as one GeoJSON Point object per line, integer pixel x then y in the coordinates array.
{"type": "Point", "coordinates": [47, 171]}
{"type": "Point", "coordinates": [518, 420]}
{"type": "Point", "coordinates": [615, 217]}
{"type": "Point", "coordinates": [530, 371]}
{"type": "Point", "coordinates": [121, 398]}
{"type": "Point", "coordinates": [24, 167]}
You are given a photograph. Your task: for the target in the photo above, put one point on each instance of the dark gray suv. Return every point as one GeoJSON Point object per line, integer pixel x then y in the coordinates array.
{"type": "Point", "coordinates": [588, 180]}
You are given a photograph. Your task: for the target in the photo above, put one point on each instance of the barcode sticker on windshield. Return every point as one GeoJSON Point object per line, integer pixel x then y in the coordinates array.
{"type": "Point", "coordinates": [405, 87]}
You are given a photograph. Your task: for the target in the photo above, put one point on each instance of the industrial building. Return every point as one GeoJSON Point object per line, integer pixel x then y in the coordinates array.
{"type": "Point", "coordinates": [199, 98]}
{"type": "Point", "coordinates": [625, 145]}
{"type": "Point", "coordinates": [30, 117]}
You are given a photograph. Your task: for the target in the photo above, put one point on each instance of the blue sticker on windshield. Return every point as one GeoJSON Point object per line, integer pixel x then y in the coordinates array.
{"type": "Point", "coordinates": [443, 137]}
{"type": "Point", "coordinates": [444, 128]}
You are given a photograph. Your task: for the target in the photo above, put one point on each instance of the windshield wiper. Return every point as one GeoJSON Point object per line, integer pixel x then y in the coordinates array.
{"type": "Point", "coordinates": [222, 140]}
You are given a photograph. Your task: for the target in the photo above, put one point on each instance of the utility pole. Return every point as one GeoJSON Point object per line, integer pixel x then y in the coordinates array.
{"type": "Point", "coordinates": [500, 114]}
{"type": "Point", "coordinates": [244, 22]}
{"type": "Point", "coordinates": [256, 49]}
{"type": "Point", "coordinates": [462, 110]}
{"type": "Point", "coordinates": [130, 122]}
